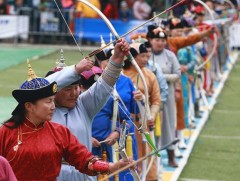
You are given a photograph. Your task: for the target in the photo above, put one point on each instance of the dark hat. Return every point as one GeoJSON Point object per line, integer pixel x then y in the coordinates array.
{"type": "Point", "coordinates": [110, 52]}
{"type": "Point", "coordinates": [147, 44]}
{"type": "Point", "coordinates": [104, 55]}
{"type": "Point", "coordinates": [101, 56]}
{"type": "Point", "coordinates": [33, 89]}
{"type": "Point", "coordinates": [156, 32]}
{"type": "Point", "coordinates": [59, 66]}
{"type": "Point", "coordinates": [175, 23]}
{"type": "Point", "coordinates": [137, 48]}
{"type": "Point", "coordinates": [88, 78]}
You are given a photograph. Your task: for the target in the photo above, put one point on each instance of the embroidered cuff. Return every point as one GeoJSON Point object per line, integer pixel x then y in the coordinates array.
{"type": "Point", "coordinates": [111, 74]}
{"type": "Point", "coordinates": [116, 64]}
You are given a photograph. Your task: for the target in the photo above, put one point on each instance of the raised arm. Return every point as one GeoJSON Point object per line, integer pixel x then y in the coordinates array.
{"type": "Point", "coordinates": [97, 95]}
{"type": "Point", "coordinates": [191, 39]}
{"type": "Point", "coordinates": [70, 74]}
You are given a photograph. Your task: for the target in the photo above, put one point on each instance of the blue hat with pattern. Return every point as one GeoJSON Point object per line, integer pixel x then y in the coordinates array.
{"type": "Point", "coordinates": [32, 89]}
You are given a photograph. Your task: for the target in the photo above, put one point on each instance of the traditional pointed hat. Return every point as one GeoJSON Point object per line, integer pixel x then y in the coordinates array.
{"type": "Point", "coordinates": [59, 66]}
{"type": "Point", "coordinates": [137, 48]}
{"type": "Point", "coordinates": [34, 88]}
{"type": "Point", "coordinates": [156, 32]}
{"type": "Point", "coordinates": [104, 55]}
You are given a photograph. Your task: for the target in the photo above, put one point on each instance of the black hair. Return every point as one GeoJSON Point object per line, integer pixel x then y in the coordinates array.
{"type": "Point", "coordinates": [147, 44]}
{"type": "Point", "coordinates": [17, 119]}
{"type": "Point", "coordinates": [127, 64]}
{"type": "Point", "coordinates": [87, 83]}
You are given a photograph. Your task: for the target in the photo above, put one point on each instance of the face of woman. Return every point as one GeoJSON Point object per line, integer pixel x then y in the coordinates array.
{"type": "Point", "coordinates": [68, 96]}
{"type": "Point", "coordinates": [149, 53]}
{"type": "Point", "coordinates": [141, 59]}
{"type": "Point", "coordinates": [42, 109]}
{"type": "Point", "coordinates": [158, 44]}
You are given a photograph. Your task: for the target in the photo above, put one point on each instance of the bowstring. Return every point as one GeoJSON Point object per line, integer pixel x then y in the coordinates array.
{"type": "Point", "coordinates": [68, 27]}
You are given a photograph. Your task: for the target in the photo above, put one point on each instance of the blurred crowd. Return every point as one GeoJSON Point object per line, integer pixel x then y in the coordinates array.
{"type": "Point", "coordinates": [113, 9]}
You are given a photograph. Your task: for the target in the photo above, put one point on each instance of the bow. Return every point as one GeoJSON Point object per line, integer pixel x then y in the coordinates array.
{"type": "Point", "coordinates": [214, 35]}
{"type": "Point", "coordinates": [140, 160]}
{"type": "Point", "coordinates": [122, 151]}
{"type": "Point", "coordinates": [230, 4]}
{"type": "Point", "coordinates": [121, 146]}
{"type": "Point", "coordinates": [232, 7]}
{"type": "Point", "coordinates": [142, 128]}
{"type": "Point", "coordinates": [142, 112]}
{"type": "Point", "coordinates": [130, 57]}
{"type": "Point", "coordinates": [135, 28]}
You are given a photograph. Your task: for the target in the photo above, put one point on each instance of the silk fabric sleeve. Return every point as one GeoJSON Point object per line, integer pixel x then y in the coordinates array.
{"type": "Point", "coordinates": [75, 153]}
{"type": "Point", "coordinates": [65, 77]}
{"type": "Point", "coordinates": [95, 97]}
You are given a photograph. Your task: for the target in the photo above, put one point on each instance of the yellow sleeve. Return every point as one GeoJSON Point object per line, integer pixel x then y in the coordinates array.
{"type": "Point", "coordinates": [154, 94]}
{"type": "Point", "coordinates": [79, 7]}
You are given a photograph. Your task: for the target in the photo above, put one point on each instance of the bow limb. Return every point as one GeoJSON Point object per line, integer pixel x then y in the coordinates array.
{"type": "Point", "coordinates": [125, 158]}
{"type": "Point", "coordinates": [115, 109]}
{"type": "Point", "coordinates": [230, 4]}
{"type": "Point", "coordinates": [146, 137]}
{"type": "Point", "coordinates": [233, 8]}
{"type": "Point", "coordinates": [122, 151]}
{"type": "Point", "coordinates": [130, 57]}
{"type": "Point", "coordinates": [140, 160]}
{"type": "Point", "coordinates": [121, 148]}
{"type": "Point", "coordinates": [214, 35]}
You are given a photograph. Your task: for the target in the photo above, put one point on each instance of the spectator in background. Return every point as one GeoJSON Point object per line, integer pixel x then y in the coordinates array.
{"type": "Point", "coordinates": [180, 10]}
{"type": "Point", "coordinates": [16, 8]}
{"type": "Point", "coordinates": [66, 4]}
{"type": "Point", "coordinates": [125, 13]}
{"type": "Point", "coordinates": [103, 4]}
{"type": "Point", "coordinates": [111, 10]}
{"type": "Point", "coordinates": [43, 5]}
{"type": "Point", "coordinates": [235, 2]}
{"type": "Point", "coordinates": [3, 7]}
{"type": "Point", "coordinates": [130, 3]}
{"type": "Point", "coordinates": [141, 10]}
{"type": "Point", "coordinates": [157, 6]}
{"type": "Point", "coordinates": [86, 11]}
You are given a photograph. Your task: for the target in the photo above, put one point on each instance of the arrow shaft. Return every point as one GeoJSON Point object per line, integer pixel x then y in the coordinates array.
{"type": "Point", "coordinates": [170, 8]}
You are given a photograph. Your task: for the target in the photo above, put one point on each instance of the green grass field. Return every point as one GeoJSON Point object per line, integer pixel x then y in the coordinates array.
{"type": "Point", "coordinates": [216, 154]}
{"type": "Point", "coordinates": [12, 77]}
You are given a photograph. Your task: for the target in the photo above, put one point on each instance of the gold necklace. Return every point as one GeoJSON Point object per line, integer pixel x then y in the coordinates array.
{"type": "Point", "coordinates": [19, 142]}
